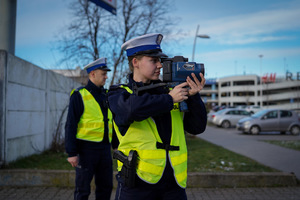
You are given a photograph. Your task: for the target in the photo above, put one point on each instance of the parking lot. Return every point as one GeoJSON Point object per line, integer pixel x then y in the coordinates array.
{"type": "Point", "coordinates": [265, 120]}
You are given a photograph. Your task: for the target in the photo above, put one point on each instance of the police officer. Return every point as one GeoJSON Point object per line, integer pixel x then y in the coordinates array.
{"type": "Point", "coordinates": [151, 123]}
{"type": "Point", "coordinates": [89, 134]}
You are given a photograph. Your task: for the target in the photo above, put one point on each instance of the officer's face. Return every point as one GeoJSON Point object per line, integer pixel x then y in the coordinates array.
{"type": "Point", "coordinates": [99, 77]}
{"type": "Point", "coordinates": [146, 69]}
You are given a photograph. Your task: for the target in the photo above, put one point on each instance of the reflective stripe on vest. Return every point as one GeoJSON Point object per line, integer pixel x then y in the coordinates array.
{"type": "Point", "coordinates": [91, 124]}
{"type": "Point", "coordinates": [143, 136]}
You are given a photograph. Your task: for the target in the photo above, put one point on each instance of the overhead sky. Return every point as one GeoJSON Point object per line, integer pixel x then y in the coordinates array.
{"type": "Point", "coordinates": [240, 31]}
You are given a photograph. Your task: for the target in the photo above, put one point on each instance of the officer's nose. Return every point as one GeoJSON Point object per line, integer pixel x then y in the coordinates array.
{"type": "Point", "coordinates": [159, 65]}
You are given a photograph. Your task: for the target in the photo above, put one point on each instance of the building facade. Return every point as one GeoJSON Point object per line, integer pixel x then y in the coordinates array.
{"type": "Point", "coordinates": [77, 74]}
{"type": "Point", "coordinates": [267, 92]}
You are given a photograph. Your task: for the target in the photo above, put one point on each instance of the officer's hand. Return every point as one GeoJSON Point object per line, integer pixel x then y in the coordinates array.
{"type": "Point", "coordinates": [196, 86]}
{"type": "Point", "coordinates": [179, 93]}
{"type": "Point", "coordinates": [73, 161]}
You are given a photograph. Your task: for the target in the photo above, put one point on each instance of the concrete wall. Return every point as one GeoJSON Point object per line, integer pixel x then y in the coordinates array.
{"type": "Point", "coordinates": [31, 102]}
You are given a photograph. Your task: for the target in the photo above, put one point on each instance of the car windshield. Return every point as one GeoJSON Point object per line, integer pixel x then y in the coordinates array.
{"type": "Point", "coordinates": [221, 111]}
{"type": "Point", "coordinates": [259, 113]}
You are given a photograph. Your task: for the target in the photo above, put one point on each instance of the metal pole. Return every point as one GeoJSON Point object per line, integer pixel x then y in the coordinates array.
{"type": "Point", "coordinates": [8, 10]}
{"type": "Point", "coordinates": [195, 43]}
{"type": "Point", "coordinates": [261, 95]}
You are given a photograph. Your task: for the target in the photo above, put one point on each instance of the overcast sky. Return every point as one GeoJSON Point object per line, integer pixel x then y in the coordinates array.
{"type": "Point", "coordinates": [239, 30]}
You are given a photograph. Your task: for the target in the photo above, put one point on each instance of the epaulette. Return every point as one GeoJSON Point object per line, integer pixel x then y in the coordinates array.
{"type": "Point", "coordinates": [76, 90]}
{"type": "Point", "coordinates": [115, 87]}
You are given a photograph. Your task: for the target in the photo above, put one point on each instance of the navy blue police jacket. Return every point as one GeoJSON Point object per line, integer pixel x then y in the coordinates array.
{"type": "Point", "coordinates": [76, 107]}
{"type": "Point", "coordinates": [155, 103]}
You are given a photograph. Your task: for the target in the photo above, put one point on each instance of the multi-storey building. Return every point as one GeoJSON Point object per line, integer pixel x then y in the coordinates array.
{"type": "Point", "coordinates": [210, 93]}
{"type": "Point", "coordinates": [280, 92]}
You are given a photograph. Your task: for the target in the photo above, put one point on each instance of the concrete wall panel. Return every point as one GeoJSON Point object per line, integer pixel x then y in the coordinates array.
{"type": "Point", "coordinates": [57, 100]}
{"type": "Point", "coordinates": [24, 73]}
{"type": "Point", "coordinates": [20, 124]}
{"type": "Point", "coordinates": [24, 146]}
{"type": "Point", "coordinates": [20, 97]}
{"type": "Point", "coordinates": [33, 101]}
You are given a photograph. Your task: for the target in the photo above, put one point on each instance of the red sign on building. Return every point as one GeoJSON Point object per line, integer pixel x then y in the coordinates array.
{"type": "Point", "coordinates": [269, 79]}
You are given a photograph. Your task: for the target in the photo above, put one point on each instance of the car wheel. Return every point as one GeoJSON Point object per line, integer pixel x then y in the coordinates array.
{"type": "Point", "coordinates": [295, 130]}
{"type": "Point", "coordinates": [254, 130]}
{"type": "Point", "coordinates": [225, 124]}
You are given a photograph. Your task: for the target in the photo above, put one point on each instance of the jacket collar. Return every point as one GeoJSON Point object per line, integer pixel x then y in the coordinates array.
{"type": "Point", "coordinates": [139, 84]}
{"type": "Point", "coordinates": [92, 87]}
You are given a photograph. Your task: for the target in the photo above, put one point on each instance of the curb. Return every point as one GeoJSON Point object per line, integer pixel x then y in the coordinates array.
{"type": "Point", "coordinates": [66, 178]}
{"type": "Point", "coordinates": [241, 179]}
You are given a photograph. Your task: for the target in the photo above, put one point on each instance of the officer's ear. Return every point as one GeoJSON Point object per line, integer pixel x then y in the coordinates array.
{"type": "Point", "coordinates": [92, 74]}
{"type": "Point", "coordinates": [135, 62]}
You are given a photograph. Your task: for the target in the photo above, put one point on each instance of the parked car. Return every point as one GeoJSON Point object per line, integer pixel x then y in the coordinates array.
{"type": "Point", "coordinates": [253, 109]}
{"type": "Point", "coordinates": [228, 117]}
{"type": "Point", "coordinates": [217, 108]}
{"type": "Point", "coordinates": [241, 106]}
{"type": "Point", "coordinates": [270, 120]}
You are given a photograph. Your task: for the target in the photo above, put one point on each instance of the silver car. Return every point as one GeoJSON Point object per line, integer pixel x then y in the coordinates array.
{"type": "Point", "coordinates": [228, 117]}
{"type": "Point", "coordinates": [271, 120]}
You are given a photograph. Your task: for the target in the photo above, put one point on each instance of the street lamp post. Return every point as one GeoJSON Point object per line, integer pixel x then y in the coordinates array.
{"type": "Point", "coordinates": [200, 36]}
{"type": "Point", "coordinates": [261, 95]}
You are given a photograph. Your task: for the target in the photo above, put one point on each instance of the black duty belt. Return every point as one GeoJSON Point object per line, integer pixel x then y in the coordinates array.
{"type": "Point", "coordinates": [167, 147]}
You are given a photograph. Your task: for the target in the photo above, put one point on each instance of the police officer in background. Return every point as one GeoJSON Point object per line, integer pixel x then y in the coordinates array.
{"type": "Point", "coordinates": [89, 134]}
{"type": "Point", "coordinates": [151, 124]}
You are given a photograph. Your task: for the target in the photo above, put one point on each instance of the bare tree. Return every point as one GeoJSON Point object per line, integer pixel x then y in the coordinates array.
{"type": "Point", "coordinates": [82, 40]}
{"type": "Point", "coordinates": [96, 33]}
{"type": "Point", "coordinates": [136, 17]}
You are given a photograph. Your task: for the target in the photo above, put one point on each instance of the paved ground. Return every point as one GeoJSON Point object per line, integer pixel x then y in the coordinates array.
{"type": "Point", "coordinates": [251, 146]}
{"type": "Point", "coordinates": [43, 193]}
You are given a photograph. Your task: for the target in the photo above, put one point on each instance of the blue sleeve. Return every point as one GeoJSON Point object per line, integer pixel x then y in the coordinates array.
{"type": "Point", "coordinates": [195, 120]}
{"type": "Point", "coordinates": [129, 107]}
{"type": "Point", "coordinates": [74, 113]}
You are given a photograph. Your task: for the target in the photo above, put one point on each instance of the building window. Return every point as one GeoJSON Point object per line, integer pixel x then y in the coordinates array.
{"type": "Point", "coordinates": [249, 82]}
{"type": "Point", "coordinates": [225, 94]}
{"type": "Point", "coordinates": [225, 84]}
{"type": "Point", "coordinates": [240, 94]}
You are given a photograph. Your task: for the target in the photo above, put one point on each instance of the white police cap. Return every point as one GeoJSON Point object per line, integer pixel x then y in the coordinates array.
{"type": "Point", "coordinates": [148, 45]}
{"type": "Point", "coordinates": [97, 64]}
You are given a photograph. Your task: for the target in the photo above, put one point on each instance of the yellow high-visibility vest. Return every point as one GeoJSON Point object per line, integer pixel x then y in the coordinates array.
{"type": "Point", "coordinates": [91, 123]}
{"type": "Point", "coordinates": [143, 137]}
